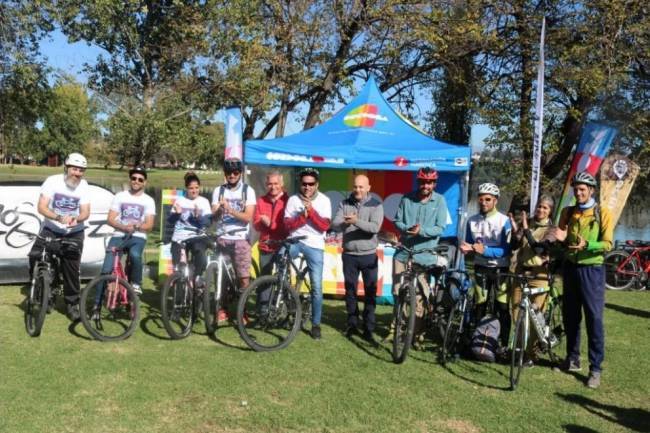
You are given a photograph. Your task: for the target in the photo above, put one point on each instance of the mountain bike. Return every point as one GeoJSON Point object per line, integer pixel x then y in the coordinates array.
{"type": "Point", "coordinates": [628, 266]}
{"type": "Point", "coordinates": [546, 325]}
{"type": "Point", "coordinates": [109, 306]}
{"type": "Point", "coordinates": [271, 310]}
{"type": "Point", "coordinates": [45, 284]}
{"type": "Point", "coordinates": [458, 322]}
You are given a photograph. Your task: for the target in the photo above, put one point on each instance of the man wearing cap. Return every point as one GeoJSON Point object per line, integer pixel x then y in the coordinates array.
{"type": "Point", "coordinates": [132, 215]}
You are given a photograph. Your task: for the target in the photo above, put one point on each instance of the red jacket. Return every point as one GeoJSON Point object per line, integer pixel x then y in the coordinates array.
{"type": "Point", "coordinates": [274, 210]}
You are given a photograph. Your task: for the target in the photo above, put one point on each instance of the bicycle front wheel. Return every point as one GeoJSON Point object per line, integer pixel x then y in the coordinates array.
{"type": "Point", "coordinates": [37, 300]}
{"type": "Point", "coordinates": [109, 308]}
{"type": "Point", "coordinates": [453, 332]}
{"type": "Point", "coordinates": [518, 349]}
{"type": "Point", "coordinates": [213, 296]}
{"type": "Point", "coordinates": [268, 314]}
{"type": "Point", "coordinates": [621, 271]}
{"type": "Point", "coordinates": [177, 306]}
{"type": "Point", "coordinates": [404, 317]}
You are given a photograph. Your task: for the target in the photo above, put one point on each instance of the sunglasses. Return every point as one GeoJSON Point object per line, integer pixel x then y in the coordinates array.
{"type": "Point", "coordinates": [235, 172]}
{"type": "Point", "coordinates": [308, 183]}
{"type": "Point", "coordinates": [138, 179]}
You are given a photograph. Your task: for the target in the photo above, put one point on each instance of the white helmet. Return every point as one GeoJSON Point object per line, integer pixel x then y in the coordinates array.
{"type": "Point", "coordinates": [76, 160]}
{"type": "Point", "coordinates": [583, 177]}
{"type": "Point", "coordinates": [488, 188]}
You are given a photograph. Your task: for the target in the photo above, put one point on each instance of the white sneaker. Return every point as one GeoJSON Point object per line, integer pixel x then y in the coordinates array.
{"type": "Point", "coordinates": [137, 289]}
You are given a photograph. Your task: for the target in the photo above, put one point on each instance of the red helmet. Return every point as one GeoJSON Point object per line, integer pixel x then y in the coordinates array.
{"type": "Point", "coordinates": [427, 173]}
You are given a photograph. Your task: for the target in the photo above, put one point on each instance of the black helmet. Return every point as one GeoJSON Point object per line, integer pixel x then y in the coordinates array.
{"type": "Point", "coordinates": [308, 171]}
{"type": "Point", "coordinates": [232, 164]}
{"type": "Point", "coordinates": [139, 169]}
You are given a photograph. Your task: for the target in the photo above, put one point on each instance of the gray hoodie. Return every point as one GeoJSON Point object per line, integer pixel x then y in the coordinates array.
{"type": "Point", "coordinates": [359, 238]}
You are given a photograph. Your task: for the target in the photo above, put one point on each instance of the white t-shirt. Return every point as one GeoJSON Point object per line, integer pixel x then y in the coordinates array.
{"type": "Point", "coordinates": [132, 209]}
{"type": "Point", "coordinates": [188, 222]}
{"type": "Point", "coordinates": [322, 205]}
{"type": "Point", "coordinates": [235, 200]}
{"type": "Point", "coordinates": [64, 200]}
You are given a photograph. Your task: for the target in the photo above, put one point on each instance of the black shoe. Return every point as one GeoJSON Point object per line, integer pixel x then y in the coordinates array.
{"type": "Point", "coordinates": [73, 313]}
{"type": "Point", "coordinates": [367, 335]}
{"type": "Point", "coordinates": [315, 332]}
{"type": "Point", "coordinates": [350, 331]}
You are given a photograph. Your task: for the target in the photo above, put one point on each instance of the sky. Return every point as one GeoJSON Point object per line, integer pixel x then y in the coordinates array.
{"type": "Point", "coordinates": [71, 58]}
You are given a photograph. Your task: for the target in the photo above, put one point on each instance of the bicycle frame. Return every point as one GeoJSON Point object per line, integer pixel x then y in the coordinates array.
{"type": "Point", "coordinates": [117, 294]}
{"type": "Point", "coordinates": [636, 253]}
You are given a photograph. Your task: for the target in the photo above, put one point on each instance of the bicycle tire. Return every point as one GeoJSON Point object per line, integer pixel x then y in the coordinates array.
{"type": "Point", "coordinates": [37, 300]}
{"type": "Point", "coordinates": [404, 317]}
{"type": "Point", "coordinates": [518, 349]}
{"type": "Point", "coordinates": [274, 327]}
{"type": "Point", "coordinates": [104, 322]}
{"type": "Point", "coordinates": [616, 279]}
{"type": "Point", "coordinates": [553, 317]}
{"type": "Point", "coordinates": [452, 334]}
{"type": "Point", "coordinates": [445, 305]}
{"type": "Point", "coordinates": [211, 302]}
{"type": "Point", "coordinates": [177, 306]}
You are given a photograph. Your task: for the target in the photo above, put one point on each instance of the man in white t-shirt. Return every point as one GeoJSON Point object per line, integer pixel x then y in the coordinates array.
{"type": "Point", "coordinates": [309, 213]}
{"type": "Point", "coordinates": [233, 204]}
{"type": "Point", "coordinates": [131, 214]}
{"type": "Point", "coordinates": [65, 203]}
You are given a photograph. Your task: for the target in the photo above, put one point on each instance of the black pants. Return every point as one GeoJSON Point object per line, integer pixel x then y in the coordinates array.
{"type": "Point", "coordinates": [196, 249]}
{"type": "Point", "coordinates": [70, 258]}
{"type": "Point", "coordinates": [487, 276]}
{"type": "Point", "coordinates": [367, 265]}
{"type": "Point", "coordinates": [266, 262]}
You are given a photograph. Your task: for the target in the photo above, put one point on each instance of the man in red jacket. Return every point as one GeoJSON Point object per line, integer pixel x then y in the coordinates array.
{"type": "Point", "coordinates": [269, 219]}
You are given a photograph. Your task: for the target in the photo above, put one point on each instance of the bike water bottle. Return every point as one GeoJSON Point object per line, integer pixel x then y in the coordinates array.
{"type": "Point", "coordinates": [538, 320]}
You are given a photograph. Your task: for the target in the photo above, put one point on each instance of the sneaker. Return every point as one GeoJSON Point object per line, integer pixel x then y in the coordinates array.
{"type": "Point", "coordinates": [528, 363]}
{"type": "Point", "coordinates": [222, 316]}
{"type": "Point", "coordinates": [351, 331]}
{"type": "Point", "coordinates": [137, 289]}
{"type": "Point", "coordinates": [95, 315]}
{"type": "Point", "coordinates": [568, 365]}
{"type": "Point", "coordinates": [73, 312]}
{"type": "Point", "coordinates": [367, 335]}
{"type": "Point", "coordinates": [315, 332]}
{"type": "Point", "coordinates": [593, 381]}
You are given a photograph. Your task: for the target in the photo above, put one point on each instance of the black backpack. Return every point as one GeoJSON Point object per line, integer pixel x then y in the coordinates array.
{"type": "Point", "coordinates": [244, 193]}
{"type": "Point", "coordinates": [485, 339]}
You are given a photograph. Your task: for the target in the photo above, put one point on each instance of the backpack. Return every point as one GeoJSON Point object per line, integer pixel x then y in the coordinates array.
{"type": "Point", "coordinates": [222, 190]}
{"type": "Point", "coordinates": [485, 339]}
{"type": "Point", "coordinates": [596, 213]}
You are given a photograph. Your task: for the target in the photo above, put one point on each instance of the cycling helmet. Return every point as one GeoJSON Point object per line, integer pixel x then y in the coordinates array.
{"type": "Point", "coordinates": [427, 173]}
{"type": "Point", "coordinates": [583, 177]}
{"type": "Point", "coordinates": [139, 169]}
{"type": "Point", "coordinates": [488, 188]}
{"type": "Point", "coordinates": [76, 160]}
{"type": "Point", "coordinates": [308, 171]}
{"type": "Point", "coordinates": [233, 164]}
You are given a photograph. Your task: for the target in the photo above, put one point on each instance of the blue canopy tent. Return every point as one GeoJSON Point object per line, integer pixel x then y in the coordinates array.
{"type": "Point", "coordinates": [368, 134]}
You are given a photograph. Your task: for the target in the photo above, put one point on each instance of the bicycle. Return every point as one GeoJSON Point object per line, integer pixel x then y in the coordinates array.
{"type": "Point", "coordinates": [405, 301]}
{"type": "Point", "coordinates": [545, 324]}
{"type": "Point", "coordinates": [628, 266]}
{"type": "Point", "coordinates": [271, 310]}
{"type": "Point", "coordinates": [458, 321]}
{"type": "Point", "coordinates": [109, 306]}
{"type": "Point", "coordinates": [45, 285]}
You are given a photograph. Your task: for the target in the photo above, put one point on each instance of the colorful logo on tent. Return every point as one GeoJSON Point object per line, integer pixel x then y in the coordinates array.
{"type": "Point", "coordinates": [364, 116]}
{"type": "Point", "coordinates": [400, 161]}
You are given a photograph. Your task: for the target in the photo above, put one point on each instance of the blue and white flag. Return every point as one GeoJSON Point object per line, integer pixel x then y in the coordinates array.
{"type": "Point", "coordinates": [233, 133]}
{"type": "Point", "coordinates": [539, 125]}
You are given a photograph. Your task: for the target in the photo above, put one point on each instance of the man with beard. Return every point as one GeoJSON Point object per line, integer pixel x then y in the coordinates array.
{"type": "Point", "coordinates": [131, 213]}
{"type": "Point", "coordinates": [422, 217]}
{"type": "Point", "coordinates": [64, 203]}
{"type": "Point", "coordinates": [359, 217]}
{"type": "Point", "coordinates": [308, 213]}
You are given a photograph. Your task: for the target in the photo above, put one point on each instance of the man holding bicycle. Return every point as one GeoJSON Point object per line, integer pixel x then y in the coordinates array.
{"type": "Point", "coordinates": [131, 214]}
{"type": "Point", "coordinates": [65, 203]}
{"type": "Point", "coordinates": [308, 213]}
{"type": "Point", "coordinates": [269, 219]}
{"type": "Point", "coordinates": [587, 232]}
{"type": "Point", "coordinates": [359, 217]}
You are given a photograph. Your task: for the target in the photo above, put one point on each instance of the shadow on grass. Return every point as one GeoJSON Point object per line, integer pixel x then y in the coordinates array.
{"type": "Point", "coordinates": [573, 428]}
{"type": "Point", "coordinates": [628, 310]}
{"type": "Point", "coordinates": [153, 320]}
{"type": "Point", "coordinates": [634, 419]}
{"type": "Point", "coordinates": [474, 368]}
{"type": "Point", "coordinates": [73, 329]}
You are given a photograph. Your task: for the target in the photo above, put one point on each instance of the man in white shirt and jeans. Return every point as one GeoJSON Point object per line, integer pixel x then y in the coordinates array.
{"type": "Point", "coordinates": [65, 203]}
{"type": "Point", "coordinates": [309, 213]}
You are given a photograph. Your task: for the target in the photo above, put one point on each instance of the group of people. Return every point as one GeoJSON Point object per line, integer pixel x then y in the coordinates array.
{"type": "Point", "coordinates": [584, 231]}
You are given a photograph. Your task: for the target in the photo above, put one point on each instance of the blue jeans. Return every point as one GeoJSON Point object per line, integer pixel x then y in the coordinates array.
{"type": "Point", "coordinates": [314, 258]}
{"type": "Point", "coordinates": [135, 246]}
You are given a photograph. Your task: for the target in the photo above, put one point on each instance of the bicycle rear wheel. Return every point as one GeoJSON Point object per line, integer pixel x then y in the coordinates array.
{"type": "Point", "coordinates": [177, 306]}
{"type": "Point", "coordinates": [109, 308]}
{"type": "Point", "coordinates": [620, 275]}
{"type": "Point", "coordinates": [36, 302]}
{"type": "Point", "coordinates": [452, 335]}
{"type": "Point", "coordinates": [268, 314]}
{"type": "Point", "coordinates": [557, 345]}
{"type": "Point", "coordinates": [404, 317]}
{"type": "Point", "coordinates": [518, 349]}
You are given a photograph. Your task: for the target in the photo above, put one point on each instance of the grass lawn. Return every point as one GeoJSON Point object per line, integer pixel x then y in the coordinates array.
{"type": "Point", "coordinates": [64, 382]}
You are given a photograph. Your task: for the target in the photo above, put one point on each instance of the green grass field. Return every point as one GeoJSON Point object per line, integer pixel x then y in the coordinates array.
{"type": "Point", "coordinates": [64, 382]}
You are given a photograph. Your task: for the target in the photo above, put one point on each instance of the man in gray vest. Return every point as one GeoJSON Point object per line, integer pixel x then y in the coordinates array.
{"type": "Point", "coordinates": [359, 217]}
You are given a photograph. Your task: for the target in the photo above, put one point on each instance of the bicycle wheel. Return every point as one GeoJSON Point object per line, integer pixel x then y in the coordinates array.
{"type": "Point", "coordinates": [518, 349]}
{"type": "Point", "coordinates": [109, 308]}
{"type": "Point", "coordinates": [36, 302]}
{"type": "Point", "coordinates": [177, 306]}
{"type": "Point", "coordinates": [404, 316]}
{"type": "Point", "coordinates": [557, 343]}
{"type": "Point", "coordinates": [621, 271]}
{"type": "Point", "coordinates": [452, 335]}
{"type": "Point", "coordinates": [212, 299]}
{"type": "Point", "coordinates": [444, 304]}
{"type": "Point", "coordinates": [268, 314]}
